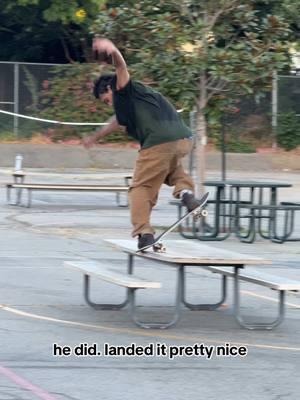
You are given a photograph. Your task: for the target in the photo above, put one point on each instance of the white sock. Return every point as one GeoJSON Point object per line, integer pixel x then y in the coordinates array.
{"type": "Point", "coordinates": [185, 191]}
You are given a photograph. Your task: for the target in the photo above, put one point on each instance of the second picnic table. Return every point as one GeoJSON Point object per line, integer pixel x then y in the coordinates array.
{"type": "Point", "coordinates": [227, 200]}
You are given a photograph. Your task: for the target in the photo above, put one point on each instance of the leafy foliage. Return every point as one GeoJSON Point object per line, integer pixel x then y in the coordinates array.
{"type": "Point", "coordinates": [68, 97]}
{"type": "Point", "coordinates": [206, 55]}
{"type": "Point", "coordinates": [44, 31]}
{"type": "Point", "coordinates": [173, 43]}
{"type": "Point", "coordinates": [288, 131]}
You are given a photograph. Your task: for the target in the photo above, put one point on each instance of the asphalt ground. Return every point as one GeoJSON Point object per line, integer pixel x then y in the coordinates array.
{"type": "Point", "coordinates": [41, 303]}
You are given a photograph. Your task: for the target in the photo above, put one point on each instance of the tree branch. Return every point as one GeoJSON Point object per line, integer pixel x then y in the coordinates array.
{"type": "Point", "coordinates": [219, 88]}
{"type": "Point", "coordinates": [212, 19]}
{"type": "Point", "coordinates": [66, 51]}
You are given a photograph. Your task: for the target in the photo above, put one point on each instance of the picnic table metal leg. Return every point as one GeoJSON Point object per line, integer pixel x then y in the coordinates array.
{"type": "Point", "coordinates": [130, 264]}
{"type": "Point", "coordinates": [8, 193]}
{"type": "Point", "coordinates": [100, 306]}
{"type": "Point", "coordinates": [29, 194]}
{"type": "Point", "coordinates": [220, 210]}
{"type": "Point", "coordinates": [118, 200]}
{"type": "Point", "coordinates": [261, 217]}
{"type": "Point", "coordinates": [250, 234]}
{"type": "Point", "coordinates": [272, 217]}
{"type": "Point", "coordinates": [187, 223]}
{"type": "Point", "coordinates": [210, 307]}
{"type": "Point", "coordinates": [289, 223]}
{"type": "Point", "coordinates": [18, 196]}
{"type": "Point", "coordinates": [288, 228]}
{"type": "Point", "coordinates": [259, 325]}
{"type": "Point", "coordinates": [17, 192]}
{"type": "Point", "coordinates": [177, 311]}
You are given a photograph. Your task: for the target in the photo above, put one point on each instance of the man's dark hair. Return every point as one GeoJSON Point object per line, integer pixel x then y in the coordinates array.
{"type": "Point", "coordinates": [102, 83]}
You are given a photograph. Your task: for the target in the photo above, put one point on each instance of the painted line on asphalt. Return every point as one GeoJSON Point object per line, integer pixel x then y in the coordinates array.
{"type": "Point", "coordinates": [140, 332]}
{"type": "Point", "coordinates": [268, 298]}
{"type": "Point", "coordinates": [25, 384]}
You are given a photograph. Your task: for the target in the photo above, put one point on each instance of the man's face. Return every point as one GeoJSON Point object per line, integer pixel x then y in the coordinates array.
{"type": "Point", "coordinates": [107, 97]}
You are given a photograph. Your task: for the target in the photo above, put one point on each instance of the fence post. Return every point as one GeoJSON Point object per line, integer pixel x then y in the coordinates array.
{"type": "Point", "coordinates": [16, 98]}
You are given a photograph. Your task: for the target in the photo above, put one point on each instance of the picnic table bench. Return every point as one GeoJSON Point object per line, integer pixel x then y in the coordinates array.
{"type": "Point", "coordinates": [30, 187]}
{"type": "Point", "coordinates": [180, 255]}
{"type": "Point", "coordinates": [269, 213]}
{"type": "Point", "coordinates": [104, 272]}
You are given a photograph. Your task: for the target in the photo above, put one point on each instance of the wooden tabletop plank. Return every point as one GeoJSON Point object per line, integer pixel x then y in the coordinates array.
{"type": "Point", "coordinates": [190, 252]}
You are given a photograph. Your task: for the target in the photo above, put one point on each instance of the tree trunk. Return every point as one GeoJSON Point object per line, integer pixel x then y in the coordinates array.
{"type": "Point", "coordinates": [201, 139]}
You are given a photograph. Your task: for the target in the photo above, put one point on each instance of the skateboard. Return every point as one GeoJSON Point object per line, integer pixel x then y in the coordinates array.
{"type": "Point", "coordinates": [198, 212]}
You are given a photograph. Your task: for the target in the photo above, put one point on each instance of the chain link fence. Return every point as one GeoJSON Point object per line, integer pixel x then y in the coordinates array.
{"type": "Point", "coordinates": [253, 125]}
{"type": "Point", "coordinates": [289, 94]}
{"type": "Point", "coordinates": [20, 85]}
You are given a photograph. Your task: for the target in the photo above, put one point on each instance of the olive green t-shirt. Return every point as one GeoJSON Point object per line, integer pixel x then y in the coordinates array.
{"type": "Point", "coordinates": [147, 115]}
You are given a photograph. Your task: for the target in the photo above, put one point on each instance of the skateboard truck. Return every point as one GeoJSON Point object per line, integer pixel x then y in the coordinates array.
{"type": "Point", "coordinates": [159, 247]}
{"type": "Point", "coordinates": [199, 213]}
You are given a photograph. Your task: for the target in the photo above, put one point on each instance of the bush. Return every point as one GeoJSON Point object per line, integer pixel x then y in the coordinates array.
{"type": "Point", "coordinates": [67, 96]}
{"type": "Point", "coordinates": [236, 145]}
{"type": "Point", "coordinates": [233, 142]}
{"type": "Point", "coordinates": [288, 131]}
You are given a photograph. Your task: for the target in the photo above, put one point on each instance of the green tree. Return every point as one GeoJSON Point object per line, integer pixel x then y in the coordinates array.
{"type": "Point", "coordinates": [199, 53]}
{"type": "Point", "coordinates": [46, 31]}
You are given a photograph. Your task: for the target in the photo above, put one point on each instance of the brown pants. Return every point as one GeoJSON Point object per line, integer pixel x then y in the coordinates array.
{"type": "Point", "coordinates": [155, 166]}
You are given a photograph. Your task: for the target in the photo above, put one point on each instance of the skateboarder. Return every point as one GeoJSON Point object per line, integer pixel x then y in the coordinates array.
{"type": "Point", "coordinates": [150, 119]}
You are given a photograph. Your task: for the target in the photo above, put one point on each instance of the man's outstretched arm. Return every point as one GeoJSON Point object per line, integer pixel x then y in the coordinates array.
{"type": "Point", "coordinates": [112, 126]}
{"type": "Point", "coordinates": [106, 46]}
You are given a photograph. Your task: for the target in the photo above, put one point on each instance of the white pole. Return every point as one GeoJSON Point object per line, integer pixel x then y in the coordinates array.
{"type": "Point", "coordinates": [274, 108]}
{"type": "Point", "coordinates": [18, 162]}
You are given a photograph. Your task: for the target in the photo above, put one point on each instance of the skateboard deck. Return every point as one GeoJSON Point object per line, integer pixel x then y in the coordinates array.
{"type": "Point", "coordinates": [196, 213]}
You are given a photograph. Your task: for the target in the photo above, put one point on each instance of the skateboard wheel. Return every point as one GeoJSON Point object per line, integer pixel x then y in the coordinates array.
{"type": "Point", "coordinates": [159, 248]}
{"type": "Point", "coordinates": [204, 213]}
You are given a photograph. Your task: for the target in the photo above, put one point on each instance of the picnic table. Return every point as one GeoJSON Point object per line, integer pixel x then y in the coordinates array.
{"type": "Point", "coordinates": [229, 197]}
{"type": "Point", "coordinates": [259, 193]}
{"type": "Point", "coordinates": [180, 255]}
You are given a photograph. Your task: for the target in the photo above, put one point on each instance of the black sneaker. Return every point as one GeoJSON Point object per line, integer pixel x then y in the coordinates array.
{"type": "Point", "coordinates": [145, 240]}
{"type": "Point", "coordinates": [189, 201]}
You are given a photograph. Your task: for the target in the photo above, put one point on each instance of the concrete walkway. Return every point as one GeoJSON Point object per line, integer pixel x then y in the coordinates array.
{"type": "Point", "coordinates": [71, 156]}
{"type": "Point", "coordinates": [41, 303]}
